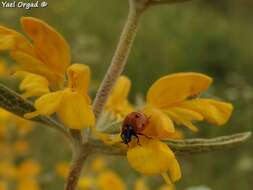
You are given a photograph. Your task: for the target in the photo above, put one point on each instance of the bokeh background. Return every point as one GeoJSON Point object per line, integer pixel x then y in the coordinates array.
{"type": "Point", "coordinates": [213, 37]}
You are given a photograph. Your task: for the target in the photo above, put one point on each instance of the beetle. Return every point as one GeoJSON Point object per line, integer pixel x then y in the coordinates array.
{"type": "Point", "coordinates": [133, 125]}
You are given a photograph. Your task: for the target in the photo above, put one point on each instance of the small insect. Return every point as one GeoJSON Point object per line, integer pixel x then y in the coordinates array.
{"type": "Point", "coordinates": [133, 125]}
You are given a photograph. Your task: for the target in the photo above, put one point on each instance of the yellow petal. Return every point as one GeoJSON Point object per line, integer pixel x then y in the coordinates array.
{"type": "Point", "coordinates": [34, 85]}
{"type": "Point", "coordinates": [86, 183]}
{"type": "Point", "coordinates": [79, 78]}
{"type": "Point", "coordinates": [47, 104]}
{"type": "Point", "coordinates": [75, 112]}
{"type": "Point", "coordinates": [184, 116]}
{"type": "Point", "coordinates": [12, 40]}
{"type": "Point", "coordinates": [215, 112]}
{"type": "Point", "coordinates": [174, 170]}
{"type": "Point", "coordinates": [140, 184]}
{"type": "Point", "coordinates": [28, 183]}
{"type": "Point", "coordinates": [178, 134]}
{"type": "Point", "coordinates": [62, 169]}
{"type": "Point", "coordinates": [175, 88]}
{"type": "Point", "coordinates": [34, 65]}
{"type": "Point", "coordinates": [166, 187]}
{"type": "Point", "coordinates": [7, 42]}
{"type": "Point", "coordinates": [110, 180]}
{"type": "Point", "coordinates": [98, 165]}
{"type": "Point", "coordinates": [153, 157]}
{"type": "Point", "coordinates": [120, 91]}
{"type": "Point", "coordinates": [49, 45]}
{"type": "Point", "coordinates": [7, 169]}
{"type": "Point", "coordinates": [160, 125]}
{"type": "Point", "coordinates": [117, 102]}
{"type": "Point", "coordinates": [28, 168]}
{"type": "Point", "coordinates": [3, 185]}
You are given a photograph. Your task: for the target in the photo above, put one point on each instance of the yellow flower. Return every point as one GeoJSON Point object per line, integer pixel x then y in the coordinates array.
{"type": "Point", "coordinates": [9, 119]}
{"type": "Point", "coordinates": [48, 55]}
{"type": "Point", "coordinates": [7, 170]}
{"type": "Point", "coordinates": [85, 183]}
{"type": "Point", "coordinates": [30, 184]}
{"type": "Point", "coordinates": [62, 169]}
{"type": "Point", "coordinates": [109, 180]}
{"type": "Point", "coordinates": [28, 169]}
{"type": "Point", "coordinates": [3, 185]}
{"type": "Point", "coordinates": [166, 187]}
{"type": "Point", "coordinates": [5, 150]}
{"type": "Point", "coordinates": [117, 102]}
{"type": "Point", "coordinates": [4, 116]}
{"type": "Point", "coordinates": [47, 60]}
{"type": "Point", "coordinates": [98, 164]}
{"type": "Point", "coordinates": [72, 104]}
{"type": "Point", "coordinates": [21, 147]}
{"type": "Point", "coordinates": [140, 185]}
{"type": "Point", "coordinates": [171, 99]}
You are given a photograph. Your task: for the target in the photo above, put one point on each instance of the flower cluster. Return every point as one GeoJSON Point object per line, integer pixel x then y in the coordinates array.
{"type": "Point", "coordinates": [62, 89]}
{"type": "Point", "coordinates": [101, 177]}
{"type": "Point", "coordinates": [17, 169]}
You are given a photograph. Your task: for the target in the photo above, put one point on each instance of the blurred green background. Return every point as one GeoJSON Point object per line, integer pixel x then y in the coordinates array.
{"type": "Point", "coordinates": [213, 37]}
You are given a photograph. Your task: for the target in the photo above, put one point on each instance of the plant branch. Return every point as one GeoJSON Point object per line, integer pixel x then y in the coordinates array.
{"type": "Point", "coordinates": [120, 57]}
{"type": "Point", "coordinates": [186, 146]}
{"type": "Point", "coordinates": [80, 154]}
{"type": "Point", "coordinates": [14, 103]}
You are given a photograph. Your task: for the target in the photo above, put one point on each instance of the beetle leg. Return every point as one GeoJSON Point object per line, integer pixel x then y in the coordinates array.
{"type": "Point", "coordinates": [145, 135]}
{"type": "Point", "coordinates": [125, 144]}
{"type": "Point", "coordinates": [138, 140]}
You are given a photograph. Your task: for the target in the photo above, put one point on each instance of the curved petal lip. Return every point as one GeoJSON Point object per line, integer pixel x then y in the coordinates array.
{"type": "Point", "coordinates": [175, 88]}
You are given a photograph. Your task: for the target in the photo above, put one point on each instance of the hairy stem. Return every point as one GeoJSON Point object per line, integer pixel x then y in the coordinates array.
{"type": "Point", "coordinates": [79, 157]}
{"type": "Point", "coordinates": [14, 103]}
{"type": "Point", "coordinates": [119, 59]}
{"type": "Point", "coordinates": [185, 146]}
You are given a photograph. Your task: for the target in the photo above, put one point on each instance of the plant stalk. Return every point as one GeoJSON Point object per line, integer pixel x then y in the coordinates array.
{"type": "Point", "coordinates": [79, 157]}
{"type": "Point", "coordinates": [120, 57]}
